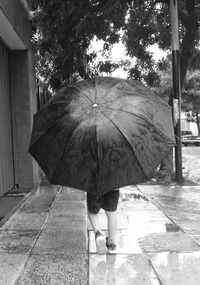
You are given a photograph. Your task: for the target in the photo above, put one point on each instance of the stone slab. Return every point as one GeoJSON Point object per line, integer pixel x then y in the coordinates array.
{"type": "Point", "coordinates": [169, 241]}
{"type": "Point", "coordinates": [180, 204]}
{"type": "Point", "coordinates": [175, 191]}
{"type": "Point", "coordinates": [138, 206]}
{"type": "Point", "coordinates": [177, 268]}
{"type": "Point", "coordinates": [7, 203]}
{"type": "Point", "coordinates": [121, 269]}
{"type": "Point", "coordinates": [70, 269]}
{"type": "Point", "coordinates": [71, 194]}
{"type": "Point", "coordinates": [71, 221]}
{"type": "Point", "coordinates": [10, 267]}
{"type": "Point", "coordinates": [62, 240]}
{"type": "Point", "coordinates": [126, 242]}
{"type": "Point", "coordinates": [21, 221]}
{"type": "Point", "coordinates": [17, 242]}
{"type": "Point", "coordinates": [41, 201]}
{"type": "Point", "coordinates": [69, 207]}
{"type": "Point", "coordinates": [195, 235]}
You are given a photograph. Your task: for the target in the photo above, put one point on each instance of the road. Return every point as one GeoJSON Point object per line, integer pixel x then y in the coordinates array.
{"type": "Point", "coordinates": [191, 163]}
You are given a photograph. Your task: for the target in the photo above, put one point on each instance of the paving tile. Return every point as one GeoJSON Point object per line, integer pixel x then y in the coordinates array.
{"type": "Point", "coordinates": [192, 192]}
{"type": "Point", "coordinates": [129, 188]}
{"type": "Point", "coordinates": [8, 203]}
{"type": "Point", "coordinates": [126, 242]}
{"type": "Point", "coordinates": [71, 194]}
{"type": "Point", "coordinates": [138, 206]}
{"type": "Point", "coordinates": [170, 241]}
{"type": "Point", "coordinates": [17, 242]}
{"type": "Point", "coordinates": [180, 204]}
{"type": "Point", "coordinates": [129, 194]}
{"type": "Point", "coordinates": [70, 269]}
{"type": "Point", "coordinates": [177, 268]}
{"type": "Point", "coordinates": [10, 267]}
{"type": "Point", "coordinates": [189, 193]}
{"type": "Point", "coordinates": [195, 235]}
{"type": "Point", "coordinates": [141, 230]}
{"type": "Point", "coordinates": [157, 190]}
{"type": "Point", "coordinates": [62, 240]}
{"type": "Point", "coordinates": [146, 216]}
{"type": "Point", "coordinates": [121, 269]}
{"type": "Point", "coordinates": [66, 221]}
{"type": "Point", "coordinates": [69, 207]}
{"type": "Point", "coordinates": [21, 221]}
{"type": "Point", "coordinates": [34, 211]}
{"type": "Point", "coordinates": [41, 201]}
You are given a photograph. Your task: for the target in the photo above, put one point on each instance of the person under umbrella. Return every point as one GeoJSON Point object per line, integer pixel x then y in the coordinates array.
{"type": "Point", "coordinates": [100, 135]}
{"type": "Point", "coordinates": [109, 203]}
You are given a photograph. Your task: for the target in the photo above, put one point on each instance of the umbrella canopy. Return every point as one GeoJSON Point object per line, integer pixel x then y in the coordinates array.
{"type": "Point", "coordinates": [101, 134]}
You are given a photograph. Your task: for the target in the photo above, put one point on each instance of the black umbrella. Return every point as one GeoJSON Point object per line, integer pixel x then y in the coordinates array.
{"type": "Point", "coordinates": [100, 134]}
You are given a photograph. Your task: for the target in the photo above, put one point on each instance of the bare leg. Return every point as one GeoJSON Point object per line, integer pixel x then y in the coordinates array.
{"type": "Point", "coordinates": [112, 225]}
{"type": "Point", "coordinates": [94, 220]}
{"type": "Point", "coordinates": [99, 237]}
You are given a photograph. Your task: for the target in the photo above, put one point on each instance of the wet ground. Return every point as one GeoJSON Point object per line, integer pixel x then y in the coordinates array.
{"type": "Point", "coordinates": [49, 241]}
{"type": "Point", "coordinates": [191, 163]}
{"type": "Point", "coordinates": [158, 239]}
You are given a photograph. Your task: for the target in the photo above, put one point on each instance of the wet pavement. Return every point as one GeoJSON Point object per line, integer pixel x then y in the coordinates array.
{"type": "Point", "coordinates": [48, 240]}
{"type": "Point", "coordinates": [191, 163]}
{"type": "Point", "coordinates": [158, 238]}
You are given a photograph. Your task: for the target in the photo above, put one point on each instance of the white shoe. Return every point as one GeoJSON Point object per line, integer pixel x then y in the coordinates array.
{"type": "Point", "coordinates": [100, 243]}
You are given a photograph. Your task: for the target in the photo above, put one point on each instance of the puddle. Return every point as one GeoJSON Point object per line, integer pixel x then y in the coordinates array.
{"type": "Point", "coordinates": [133, 196]}
{"type": "Point", "coordinates": [171, 227]}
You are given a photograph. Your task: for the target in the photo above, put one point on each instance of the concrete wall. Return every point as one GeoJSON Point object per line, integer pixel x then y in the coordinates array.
{"type": "Point", "coordinates": [18, 18]}
{"type": "Point", "coordinates": [14, 19]}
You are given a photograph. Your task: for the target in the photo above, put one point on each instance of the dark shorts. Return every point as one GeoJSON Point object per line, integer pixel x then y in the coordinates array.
{"type": "Point", "coordinates": [108, 202]}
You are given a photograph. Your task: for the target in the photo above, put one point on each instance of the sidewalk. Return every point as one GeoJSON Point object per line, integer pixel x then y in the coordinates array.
{"type": "Point", "coordinates": [46, 241]}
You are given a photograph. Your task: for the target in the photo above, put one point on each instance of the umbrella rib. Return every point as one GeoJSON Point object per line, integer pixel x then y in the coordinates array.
{"type": "Point", "coordinates": [118, 83]}
{"type": "Point", "coordinates": [146, 99]}
{"type": "Point", "coordinates": [127, 142]}
{"type": "Point", "coordinates": [81, 91]}
{"type": "Point", "coordinates": [160, 132]}
{"type": "Point", "coordinates": [52, 125]}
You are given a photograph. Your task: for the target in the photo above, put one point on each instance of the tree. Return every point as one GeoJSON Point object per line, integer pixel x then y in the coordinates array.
{"type": "Point", "coordinates": [191, 88]}
{"type": "Point", "coordinates": [191, 97]}
{"type": "Point", "coordinates": [66, 28]}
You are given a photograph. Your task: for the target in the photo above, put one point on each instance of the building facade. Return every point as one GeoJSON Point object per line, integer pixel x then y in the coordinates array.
{"type": "Point", "coordinates": [17, 96]}
{"type": "Point", "coordinates": [188, 126]}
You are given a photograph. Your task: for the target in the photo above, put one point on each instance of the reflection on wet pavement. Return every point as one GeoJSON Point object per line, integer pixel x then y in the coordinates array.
{"type": "Point", "coordinates": [180, 204]}
{"type": "Point", "coordinates": [160, 242]}
{"type": "Point", "coordinates": [121, 269]}
{"type": "Point", "coordinates": [177, 268]}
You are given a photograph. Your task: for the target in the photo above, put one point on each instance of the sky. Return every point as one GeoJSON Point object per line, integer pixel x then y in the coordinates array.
{"type": "Point", "coordinates": [118, 53]}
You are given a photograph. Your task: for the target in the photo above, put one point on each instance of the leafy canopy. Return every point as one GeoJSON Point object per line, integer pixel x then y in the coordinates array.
{"type": "Point", "coordinates": [65, 29]}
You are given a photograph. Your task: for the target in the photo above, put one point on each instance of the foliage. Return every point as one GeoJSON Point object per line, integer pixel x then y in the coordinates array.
{"type": "Point", "coordinates": [191, 97]}
{"type": "Point", "coordinates": [65, 30]}
{"type": "Point", "coordinates": [149, 24]}
{"type": "Point", "coordinates": [191, 89]}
